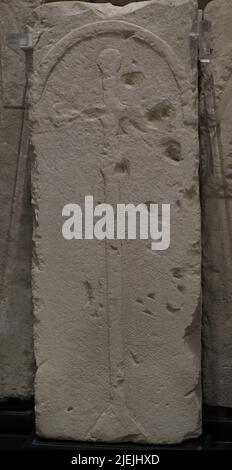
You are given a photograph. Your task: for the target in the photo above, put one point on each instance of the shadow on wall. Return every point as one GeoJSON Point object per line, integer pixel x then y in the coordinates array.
{"type": "Point", "coordinates": [201, 3]}
{"type": "Point", "coordinates": [216, 239]}
{"type": "Point", "coordinates": [113, 2]}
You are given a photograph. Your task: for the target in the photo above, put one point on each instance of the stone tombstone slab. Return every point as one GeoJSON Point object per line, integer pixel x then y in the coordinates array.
{"type": "Point", "coordinates": [16, 348]}
{"type": "Point", "coordinates": [117, 325]}
{"type": "Point", "coordinates": [217, 265]}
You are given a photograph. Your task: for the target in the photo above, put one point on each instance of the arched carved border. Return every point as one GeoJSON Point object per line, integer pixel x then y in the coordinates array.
{"type": "Point", "coordinates": [158, 45]}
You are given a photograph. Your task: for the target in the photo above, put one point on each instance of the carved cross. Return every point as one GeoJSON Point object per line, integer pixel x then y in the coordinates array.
{"type": "Point", "coordinates": [112, 115]}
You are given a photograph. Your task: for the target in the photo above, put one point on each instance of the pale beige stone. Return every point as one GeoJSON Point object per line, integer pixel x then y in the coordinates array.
{"type": "Point", "coordinates": [217, 191]}
{"type": "Point", "coordinates": [16, 348]}
{"type": "Point", "coordinates": [117, 326]}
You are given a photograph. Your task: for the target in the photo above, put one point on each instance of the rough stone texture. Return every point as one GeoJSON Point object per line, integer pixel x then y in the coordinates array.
{"type": "Point", "coordinates": [16, 351]}
{"type": "Point", "coordinates": [117, 326]}
{"type": "Point", "coordinates": [217, 191]}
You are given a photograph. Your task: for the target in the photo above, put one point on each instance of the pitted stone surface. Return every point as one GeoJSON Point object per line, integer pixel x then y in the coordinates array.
{"type": "Point", "coordinates": [16, 348]}
{"type": "Point", "coordinates": [217, 265]}
{"type": "Point", "coordinates": [117, 325]}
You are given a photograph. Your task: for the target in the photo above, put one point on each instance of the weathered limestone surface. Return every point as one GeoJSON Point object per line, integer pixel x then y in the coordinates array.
{"type": "Point", "coordinates": [16, 351]}
{"type": "Point", "coordinates": [117, 325]}
{"type": "Point", "coordinates": [217, 191]}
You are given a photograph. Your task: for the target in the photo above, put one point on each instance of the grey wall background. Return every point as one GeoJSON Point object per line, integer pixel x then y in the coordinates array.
{"type": "Point", "coordinates": [16, 344]}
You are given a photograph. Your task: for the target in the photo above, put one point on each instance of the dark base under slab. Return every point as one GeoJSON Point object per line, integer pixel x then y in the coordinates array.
{"type": "Point", "coordinates": [17, 431]}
